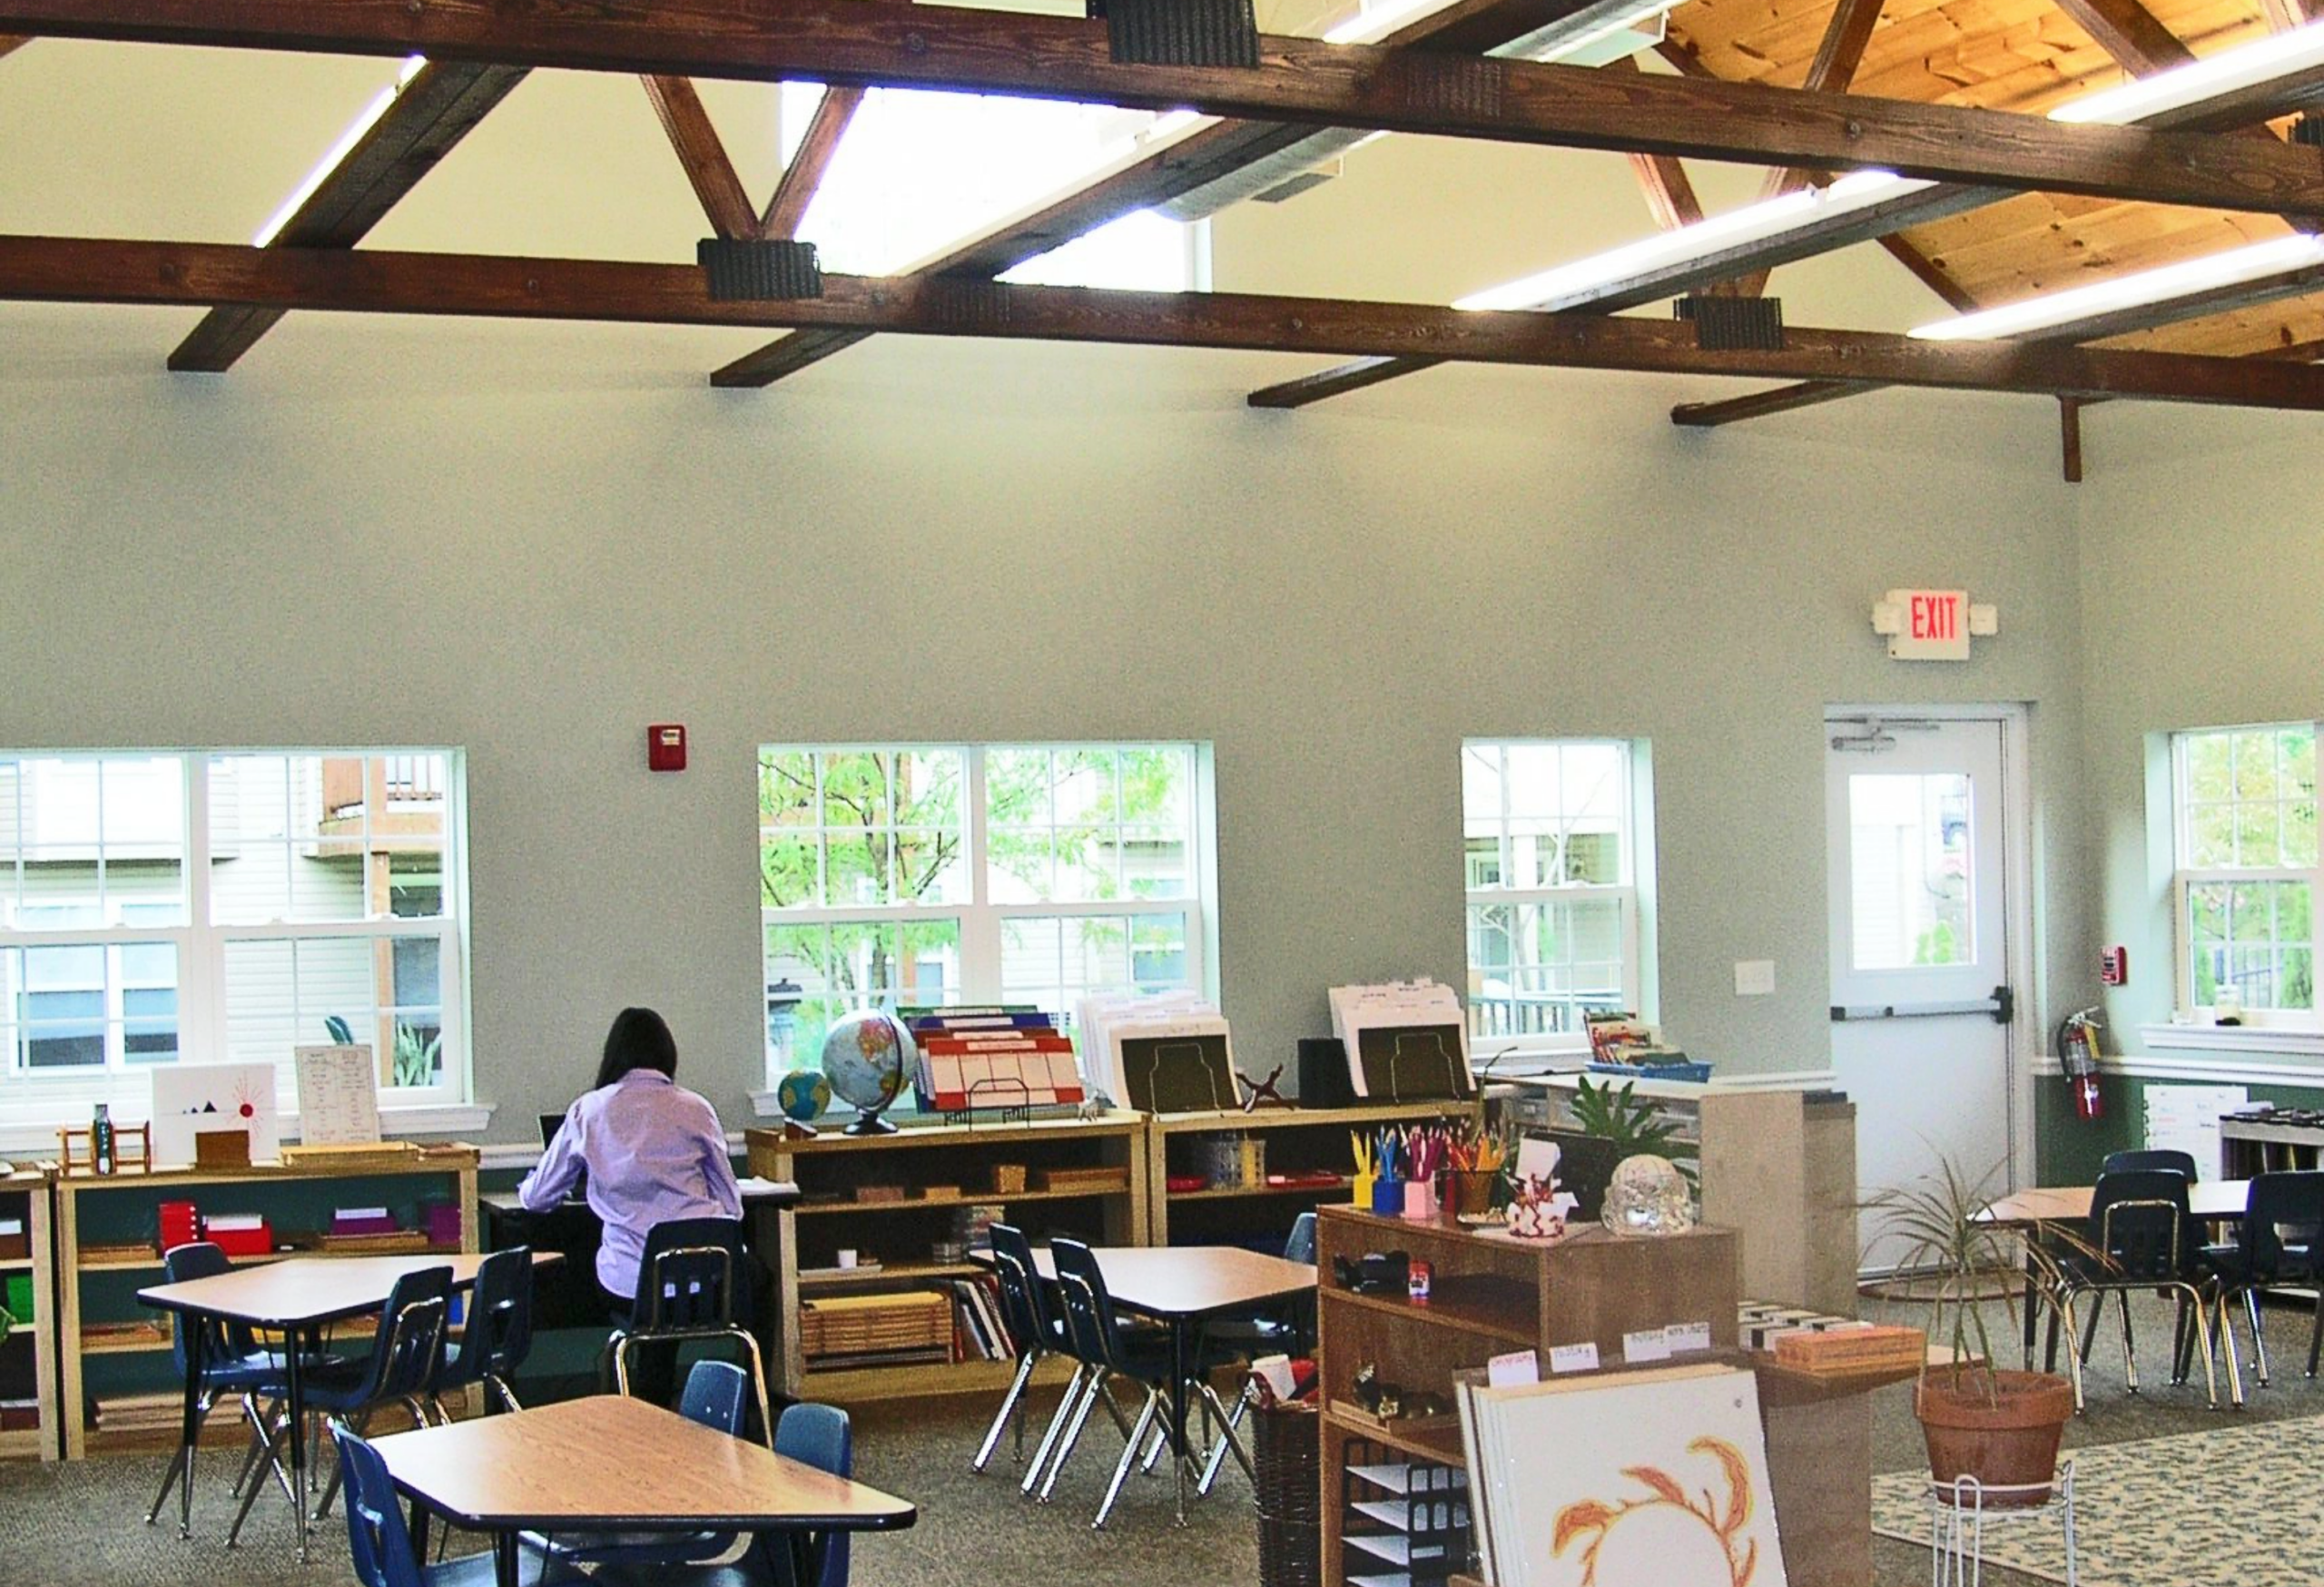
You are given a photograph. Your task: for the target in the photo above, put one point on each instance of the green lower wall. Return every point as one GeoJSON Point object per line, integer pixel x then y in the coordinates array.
{"type": "Point", "coordinates": [2068, 1150]}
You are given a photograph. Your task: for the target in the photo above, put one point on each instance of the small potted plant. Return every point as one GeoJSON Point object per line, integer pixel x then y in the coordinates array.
{"type": "Point", "coordinates": [1613, 1124]}
{"type": "Point", "coordinates": [1997, 1425]}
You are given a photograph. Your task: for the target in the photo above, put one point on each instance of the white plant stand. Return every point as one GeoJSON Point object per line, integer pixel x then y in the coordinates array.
{"type": "Point", "coordinates": [1959, 1511]}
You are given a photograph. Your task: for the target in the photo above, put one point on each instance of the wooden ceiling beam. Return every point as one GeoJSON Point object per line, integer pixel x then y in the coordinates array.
{"type": "Point", "coordinates": [874, 41]}
{"type": "Point", "coordinates": [2130, 33]}
{"type": "Point", "coordinates": [381, 282]}
{"type": "Point", "coordinates": [1837, 58]}
{"type": "Point", "coordinates": [430, 114]}
{"type": "Point", "coordinates": [1169, 171]}
{"type": "Point", "coordinates": [804, 174]}
{"type": "Point", "coordinates": [702, 154]}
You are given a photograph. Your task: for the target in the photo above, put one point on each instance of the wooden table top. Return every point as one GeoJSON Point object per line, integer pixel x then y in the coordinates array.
{"type": "Point", "coordinates": [2206, 1199]}
{"type": "Point", "coordinates": [609, 1462]}
{"type": "Point", "coordinates": [302, 1291]}
{"type": "Point", "coordinates": [1189, 1281]}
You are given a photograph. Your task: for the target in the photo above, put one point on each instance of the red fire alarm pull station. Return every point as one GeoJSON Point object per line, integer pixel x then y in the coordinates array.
{"type": "Point", "coordinates": [665, 748]}
{"type": "Point", "coordinates": [2114, 966]}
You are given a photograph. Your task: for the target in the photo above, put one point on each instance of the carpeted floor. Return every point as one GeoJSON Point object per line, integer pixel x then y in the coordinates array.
{"type": "Point", "coordinates": [83, 1522]}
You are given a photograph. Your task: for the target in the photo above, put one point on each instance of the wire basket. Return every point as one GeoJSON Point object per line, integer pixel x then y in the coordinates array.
{"type": "Point", "coordinates": [1286, 1467]}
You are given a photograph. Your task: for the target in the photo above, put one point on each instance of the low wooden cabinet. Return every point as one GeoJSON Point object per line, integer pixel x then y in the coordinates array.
{"type": "Point", "coordinates": [893, 1199]}
{"type": "Point", "coordinates": [1301, 1144]}
{"type": "Point", "coordinates": [28, 1418]}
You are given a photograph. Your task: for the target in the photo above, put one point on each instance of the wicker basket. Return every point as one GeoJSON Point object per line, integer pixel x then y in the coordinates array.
{"type": "Point", "coordinates": [1286, 1461]}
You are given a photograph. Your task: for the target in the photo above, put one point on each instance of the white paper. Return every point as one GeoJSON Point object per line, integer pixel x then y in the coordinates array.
{"type": "Point", "coordinates": [195, 1097]}
{"type": "Point", "coordinates": [339, 1096]}
{"type": "Point", "coordinates": [1517, 1366]}
{"type": "Point", "coordinates": [1582, 1357]}
{"type": "Point", "coordinates": [1537, 1158]}
{"type": "Point", "coordinates": [1684, 1336]}
{"type": "Point", "coordinates": [1645, 1344]}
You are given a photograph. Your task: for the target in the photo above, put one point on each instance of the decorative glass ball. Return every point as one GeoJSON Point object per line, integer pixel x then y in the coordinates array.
{"type": "Point", "coordinates": [1648, 1195]}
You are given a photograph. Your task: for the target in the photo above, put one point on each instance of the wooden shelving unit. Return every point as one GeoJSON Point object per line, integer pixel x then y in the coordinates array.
{"type": "Point", "coordinates": [25, 1194]}
{"type": "Point", "coordinates": [113, 1211]}
{"type": "Point", "coordinates": [1295, 1139]}
{"type": "Point", "coordinates": [961, 1161]}
{"type": "Point", "coordinates": [2260, 1146]}
{"type": "Point", "coordinates": [1489, 1297]}
{"type": "Point", "coordinates": [1778, 1167]}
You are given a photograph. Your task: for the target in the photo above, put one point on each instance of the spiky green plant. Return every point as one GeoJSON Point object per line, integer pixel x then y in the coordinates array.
{"type": "Point", "coordinates": [415, 1059]}
{"type": "Point", "coordinates": [1938, 1228]}
{"type": "Point", "coordinates": [1631, 1125]}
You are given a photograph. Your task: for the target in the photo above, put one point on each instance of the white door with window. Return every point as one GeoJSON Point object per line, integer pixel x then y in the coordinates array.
{"type": "Point", "coordinates": [1926, 844]}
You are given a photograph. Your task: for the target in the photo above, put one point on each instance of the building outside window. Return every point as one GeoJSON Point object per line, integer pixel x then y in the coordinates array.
{"type": "Point", "coordinates": [226, 907]}
{"type": "Point", "coordinates": [1033, 874]}
{"type": "Point", "coordinates": [2244, 918]}
{"type": "Point", "coordinates": [1556, 839]}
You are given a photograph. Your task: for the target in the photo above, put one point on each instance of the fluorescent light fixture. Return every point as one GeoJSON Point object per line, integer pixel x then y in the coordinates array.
{"type": "Point", "coordinates": [1572, 36]}
{"type": "Point", "coordinates": [1376, 22]}
{"type": "Point", "coordinates": [354, 135]}
{"type": "Point", "coordinates": [2188, 278]}
{"type": "Point", "coordinates": [1757, 222]}
{"type": "Point", "coordinates": [2247, 66]}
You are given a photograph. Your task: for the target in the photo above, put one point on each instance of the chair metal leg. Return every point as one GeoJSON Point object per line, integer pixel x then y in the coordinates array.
{"type": "Point", "coordinates": [1050, 1435]}
{"type": "Point", "coordinates": [2073, 1357]}
{"type": "Point", "coordinates": [1090, 1396]}
{"type": "Point", "coordinates": [2204, 1340]}
{"type": "Point", "coordinates": [270, 1461]}
{"type": "Point", "coordinates": [1011, 1403]}
{"type": "Point", "coordinates": [2227, 1333]}
{"type": "Point", "coordinates": [1130, 1447]}
{"type": "Point", "coordinates": [2258, 1336]}
{"type": "Point", "coordinates": [1228, 1441]}
{"type": "Point", "coordinates": [2315, 1336]}
{"type": "Point", "coordinates": [2089, 1331]}
{"type": "Point", "coordinates": [2130, 1345]}
{"type": "Point", "coordinates": [259, 1420]}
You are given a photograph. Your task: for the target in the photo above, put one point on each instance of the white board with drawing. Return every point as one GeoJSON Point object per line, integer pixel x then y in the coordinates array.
{"type": "Point", "coordinates": [338, 1098]}
{"type": "Point", "coordinates": [189, 1099]}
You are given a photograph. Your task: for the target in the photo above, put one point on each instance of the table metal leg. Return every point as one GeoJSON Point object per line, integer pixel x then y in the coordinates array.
{"type": "Point", "coordinates": [297, 1347]}
{"type": "Point", "coordinates": [196, 1330]}
{"type": "Point", "coordinates": [504, 1558]}
{"type": "Point", "coordinates": [1180, 1366]}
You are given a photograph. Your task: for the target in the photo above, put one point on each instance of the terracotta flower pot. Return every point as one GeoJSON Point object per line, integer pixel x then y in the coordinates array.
{"type": "Point", "coordinates": [2001, 1427]}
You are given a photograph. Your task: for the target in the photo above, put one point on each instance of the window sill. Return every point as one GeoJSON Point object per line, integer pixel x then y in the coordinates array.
{"type": "Point", "coordinates": [465, 1120]}
{"type": "Point", "coordinates": [2295, 1041]}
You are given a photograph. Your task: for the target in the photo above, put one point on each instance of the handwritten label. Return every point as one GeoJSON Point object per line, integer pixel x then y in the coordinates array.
{"type": "Point", "coordinates": [1645, 1344]}
{"type": "Point", "coordinates": [1583, 1357]}
{"type": "Point", "coordinates": [1684, 1336]}
{"type": "Point", "coordinates": [1519, 1366]}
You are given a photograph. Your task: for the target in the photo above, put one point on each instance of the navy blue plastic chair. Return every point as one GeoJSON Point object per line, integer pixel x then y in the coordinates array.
{"type": "Point", "coordinates": [694, 1282]}
{"type": "Point", "coordinates": [2144, 1239]}
{"type": "Point", "coordinates": [499, 1332]}
{"type": "Point", "coordinates": [380, 1543]}
{"type": "Point", "coordinates": [820, 1436]}
{"type": "Point", "coordinates": [2139, 1159]}
{"type": "Point", "coordinates": [1035, 1332]}
{"type": "Point", "coordinates": [2280, 1242]}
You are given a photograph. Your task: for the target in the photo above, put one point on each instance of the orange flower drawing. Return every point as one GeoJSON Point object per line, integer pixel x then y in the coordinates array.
{"type": "Point", "coordinates": [1596, 1521]}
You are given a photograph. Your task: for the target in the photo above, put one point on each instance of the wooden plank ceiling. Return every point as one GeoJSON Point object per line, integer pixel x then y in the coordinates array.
{"type": "Point", "coordinates": [2025, 55]}
{"type": "Point", "coordinates": [1970, 58]}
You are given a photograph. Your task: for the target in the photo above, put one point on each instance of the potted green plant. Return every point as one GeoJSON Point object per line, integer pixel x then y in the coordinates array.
{"type": "Point", "coordinates": [1611, 1123]}
{"type": "Point", "coordinates": [1996, 1423]}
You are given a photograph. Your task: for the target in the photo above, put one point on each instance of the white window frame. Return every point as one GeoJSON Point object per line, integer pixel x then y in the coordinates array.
{"type": "Point", "coordinates": [1526, 1052]}
{"type": "Point", "coordinates": [981, 921]}
{"type": "Point", "coordinates": [2185, 877]}
{"type": "Point", "coordinates": [32, 1102]}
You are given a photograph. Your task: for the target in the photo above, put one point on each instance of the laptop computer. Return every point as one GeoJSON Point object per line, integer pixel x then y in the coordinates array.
{"type": "Point", "coordinates": [550, 1124]}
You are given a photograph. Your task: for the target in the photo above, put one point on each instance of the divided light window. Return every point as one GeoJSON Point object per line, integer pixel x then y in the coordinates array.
{"type": "Point", "coordinates": [2245, 916]}
{"type": "Point", "coordinates": [225, 907]}
{"type": "Point", "coordinates": [1551, 839]}
{"type": "Point", "coordinates": [920, 874]}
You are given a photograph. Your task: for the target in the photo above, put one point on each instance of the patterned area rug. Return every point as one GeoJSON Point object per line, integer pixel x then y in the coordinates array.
{"type": "Point", "coordinates": [2227, 1508]}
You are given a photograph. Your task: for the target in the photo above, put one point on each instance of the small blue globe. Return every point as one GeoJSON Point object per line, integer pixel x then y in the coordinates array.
{"type": "Point", "coordinates": [803, 1095]}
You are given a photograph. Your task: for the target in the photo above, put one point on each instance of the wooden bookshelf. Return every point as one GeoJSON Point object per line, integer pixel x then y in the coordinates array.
{"type": "Point", "coordinates": [25, 1194]}
{"type": "Point", "coordinates": [1294, 1140]}
{"type": "Point", "coordinates": [1489, 1297]}
{"type": "Point", "coordinates": [965, 1163]}
{"type": "Point", "coordinates": [109, 1214]}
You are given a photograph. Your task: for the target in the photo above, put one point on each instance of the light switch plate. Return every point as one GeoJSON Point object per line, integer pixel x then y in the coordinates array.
{"type": "Point", "coordinates": [1753, 978]}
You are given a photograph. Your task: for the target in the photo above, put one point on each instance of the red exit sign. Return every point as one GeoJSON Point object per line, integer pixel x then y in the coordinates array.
{"type": "Point", "coordinates": [1930, 625]}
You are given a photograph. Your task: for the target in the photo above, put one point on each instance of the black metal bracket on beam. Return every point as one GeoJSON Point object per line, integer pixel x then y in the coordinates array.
{"type": "Point", "coordinates": [1727, 324]}
{"type": "Point", "coordinates": [1179, 33]}
{"type": "Point", "coordinates": [751, 270]}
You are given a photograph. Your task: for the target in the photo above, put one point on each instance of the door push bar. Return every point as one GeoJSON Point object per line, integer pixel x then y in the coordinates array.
{"type": "Point", "coordinates": [2002, 1005]}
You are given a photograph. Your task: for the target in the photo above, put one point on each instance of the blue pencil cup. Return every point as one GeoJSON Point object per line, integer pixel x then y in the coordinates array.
{"type": "Point", "coordinates": [1388, 1196]}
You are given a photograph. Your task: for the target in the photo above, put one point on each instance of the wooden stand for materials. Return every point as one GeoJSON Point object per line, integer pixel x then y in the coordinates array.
{"type": "Point", "coordinates": [133, 1151]}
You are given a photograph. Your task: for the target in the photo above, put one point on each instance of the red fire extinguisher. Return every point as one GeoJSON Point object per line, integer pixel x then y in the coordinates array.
{"type": "Point", "coordinates": [2078, 1055]}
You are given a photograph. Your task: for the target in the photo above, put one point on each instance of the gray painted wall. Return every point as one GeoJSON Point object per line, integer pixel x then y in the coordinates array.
{"type": "Point", "coordinates": [534, 541]}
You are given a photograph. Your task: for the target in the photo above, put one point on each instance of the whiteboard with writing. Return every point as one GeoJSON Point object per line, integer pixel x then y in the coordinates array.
{"type": "Point", "coordinates": [338, 1100]}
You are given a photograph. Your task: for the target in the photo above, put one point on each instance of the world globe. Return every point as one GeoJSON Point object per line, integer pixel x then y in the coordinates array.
{"type": "Point", "coordinates": [803, 1095]}
{"type": "Point", "coordinates": [867, 1057]}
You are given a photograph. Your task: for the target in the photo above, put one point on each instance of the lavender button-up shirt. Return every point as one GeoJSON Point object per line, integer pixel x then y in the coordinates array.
{"type": "Point", "coordinates": [654, 1150]}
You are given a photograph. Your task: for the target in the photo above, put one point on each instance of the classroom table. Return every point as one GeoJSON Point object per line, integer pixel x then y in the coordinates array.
{"type": "Point", "coordinates": [1185, 1286]}
{"type": "Point", "coordinates": [296, 1297]}
{"type": "Point", "coordinates": [2210, 1201]}
{"type": "Point", "coordinates": [611, 1464]}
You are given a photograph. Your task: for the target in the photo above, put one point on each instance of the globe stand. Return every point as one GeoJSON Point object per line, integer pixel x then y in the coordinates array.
{"type": "Point", "coordinates": [868, 1122]}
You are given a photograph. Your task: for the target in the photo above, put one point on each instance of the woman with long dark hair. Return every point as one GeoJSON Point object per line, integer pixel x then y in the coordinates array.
{"type": "Point", "coordinates": [653, 1151]}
